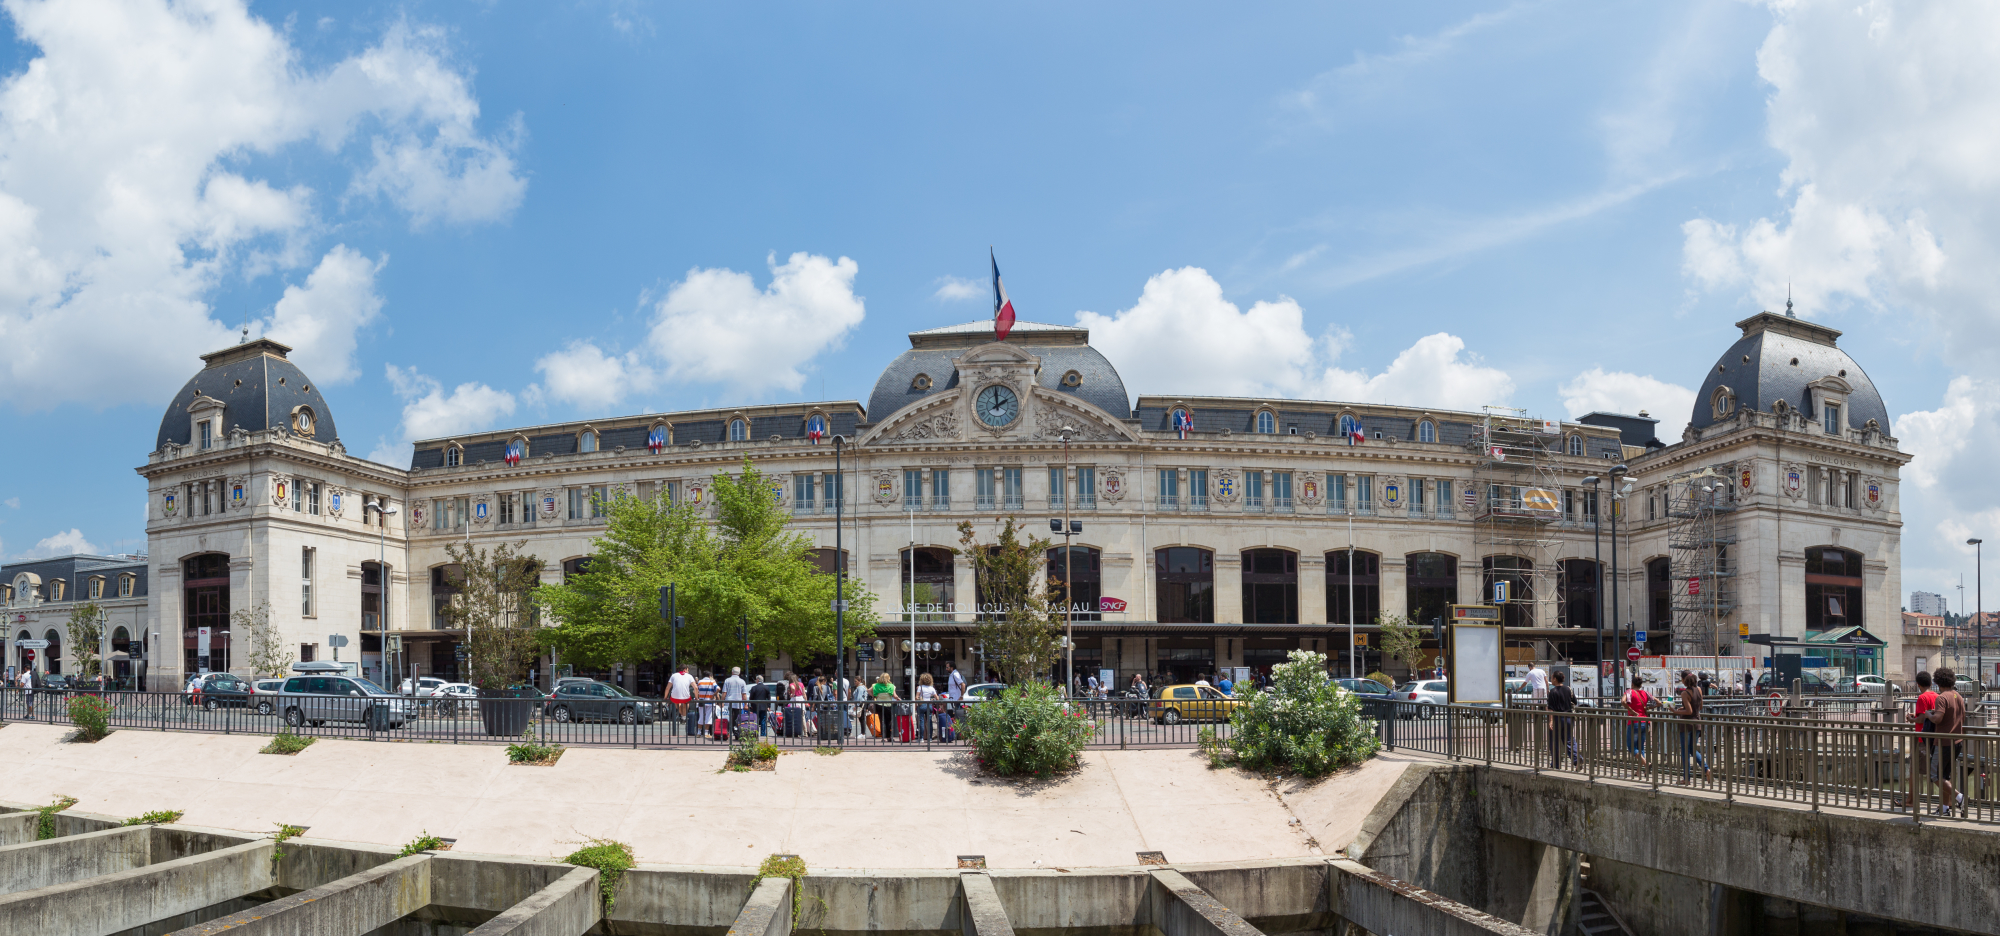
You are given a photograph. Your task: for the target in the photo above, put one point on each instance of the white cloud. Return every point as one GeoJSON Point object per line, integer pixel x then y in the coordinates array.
{"type": "Point", "coordinates": [716, 326]}
{"type": "Point", "coordinates": [320, 319]}
{"type": "Point", "coordinates": [124, 201]}
{"type": "Point", "coordinates": [953, 289]}
{"type": "Point", "coordinates": [1599, 390]}
{"type": "Point", "coordinates": [429, 412]}
{"type": "Point", "coordinates": [1183, 336]}
{"type": "Point", "coordinates": [13, 503]}
{"type": "Point", "coordinates": [583, 375]}
{"type": "Point", "coordinates": [61, 544]}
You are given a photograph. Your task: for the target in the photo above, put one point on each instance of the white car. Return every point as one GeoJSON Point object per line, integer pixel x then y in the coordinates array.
{"type": "Point", "coordinates": [426, 686]}
{"type": "Point", "coordinates": [452, 698]}
{"type": "Point", "coordinates": [1427, 693]}
{"type": "Point", "coordinates": [1871, 683]}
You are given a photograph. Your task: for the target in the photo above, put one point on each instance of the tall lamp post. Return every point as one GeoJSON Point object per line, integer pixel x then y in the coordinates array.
{"type": "Point", "coordinates": [1069, 528]}
{"type": "Point", "coordinates": [1979, 612]}
{"type": "Point", "coordinates": [839, 573]}
{"type": "Point", "coordinates": [1617, 628]}
{"type": "Point", "coordinates": [1597, 577]}
{"type": "Point", "coordinates": [383, 511]}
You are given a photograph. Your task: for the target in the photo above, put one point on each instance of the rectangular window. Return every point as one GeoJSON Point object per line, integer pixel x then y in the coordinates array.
{"type": "Point", "coordinates": [1833, 419]}
{"type": "Point", "coordinates": [505, 503]}
{"type": "Point", "coordinates": [670, 491]}
{"type": "Point", "coordinates": [298, 494]}
{"type": "Point", "coordinates": [940, 489]}
{"type": "Point", "coordinates": [1364, 493]}
{"type": "Point", "coordinates": [208, 493]}
{"type": "Point", "coordinates": [1253, 489]}
{"type": "Point", "coordinates": [1198, 489]}
{"type": "Point", "coordinates": [1058, 485]}
{"type": "Point", "coordinates": [1569, 505]}
{"type": "Point", "coordinates": [312, 499]}
{"type": "Point", "coordinates": [600, 499]}
{"type": "Point", "coordinates": [125, 586]}
{"type": "Point", "coordinates": [96, 588]}
{"type": "Point", "coordinates": [1086, 488]}
{"type": "Point", "coordinates": [1281, 490]}
{"type": "Point", "coordinates": [835, 492]}
{"type": "Point", "coordinates": [1417, 505]}
{"type": "Point", "coordinates": [306, 582]}
{"type": "Point", "coordinates": [1010, 487]}
{"type": "Point", "coordinates": [1444, 508]}
{"type": "Point", "coordinates": [576, 504]}
{"type": "Point", "coordinates": [913, 489]}
{"type": "Point", "coordinates": [207, 434]}
{"type": "Point", "coordinates": [1170, 488]}
{"type": "Point", "coordinates": [803, 493]}
{"type": "Point", "coordinates": [1336, 493]}
{"type": "Point", "coordinates": [1590, 505]}
{"type": "Point", "coordinates": [982, 488]}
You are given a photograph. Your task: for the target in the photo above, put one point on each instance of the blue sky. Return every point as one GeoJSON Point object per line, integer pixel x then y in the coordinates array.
{"type": "Point", "coordinates": [468, 215]}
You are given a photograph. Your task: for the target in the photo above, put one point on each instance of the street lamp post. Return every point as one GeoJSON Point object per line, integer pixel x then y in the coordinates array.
{"type": "Point", "coordinates": [1069, 577]}
{"type": "Point", "coordinates": [1597, 578]}
{"type": "Point", "coordinates": [1979, 612]}
{"type": "Point", "coordinates": [839, 572]}
{"type": "Point", "coordinates": [1617, 629]}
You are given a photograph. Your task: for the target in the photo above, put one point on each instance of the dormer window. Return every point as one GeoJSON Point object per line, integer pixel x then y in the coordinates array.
{"type": "Point", "coordinates": [1832, 418]}
{"type": "Point", "coordinates": [96, 587]}
{"type": "Point", "coordinates": [586, 441]}
{"type": "Point", "coordinates": [207, 435]}
{"type": "Point", "coordinates": [1427, 431]}
{"type": "Point", "coordinates": [1267, 422]}
{"type": "Point", "coordinates": [453, 456]}
{"type": "Point", "coordinates": [58, 589]}
{"type": "Point", "coordinates": [125, 585]}
{"type": "Point", "coordinates": [739, 431]}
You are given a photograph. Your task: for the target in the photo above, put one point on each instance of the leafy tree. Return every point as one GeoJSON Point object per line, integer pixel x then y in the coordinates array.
{"type": "Point", "coordinates": [1401, 640]}
{"type": "Point", "coordinates": [1024, 638]}
{"type": "Point", "coordinates": [86, 636]}
{"type": "Point", "coordinates": [746, 564]}
{"type": "Point", "coordinates": [269, 652]}
{"type": "Point", "coordinates": [494, 605]}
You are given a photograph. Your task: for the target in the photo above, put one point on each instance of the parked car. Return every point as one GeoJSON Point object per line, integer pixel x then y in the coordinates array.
{"type": "Point", "coordinates": [596, 701]}
{"type": "Point", "coordinates": [1871, 683]}
{"type": "Point", "coordinates": [1810, 683]}
{"type": "Point", "coordinates": [985, 690]}
{"type": "Point", "coordinates": [266, 692]}
{"type": "Point", "coordinates": [1427, 693]}
{"type": "Point", "coordinates": [452, 698]}
{"type": "Point", "coordinates": [426, 686]}
{"type": "Point", "coordinates": [221, 690]}
{"type": "Point", "coordinates": [1365, 688]}
{"type": "Point", "coordinates": [318, 699]}
{"type": "Point", "coordinates": [1189, 702]}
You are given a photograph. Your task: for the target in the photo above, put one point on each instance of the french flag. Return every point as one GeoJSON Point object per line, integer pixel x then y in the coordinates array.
{"type": "Point", "coordinates": [1183, 423]}
{"type": "Point", "coordinates": [513, 454]}
{"type": "Point", "coordinates": [815, 429]}
{"type": "Point", "coordinates": [1354, 434]}
{"type": "Point", "coordinates": [656, 439]}
{"type": "Point", "coordinates": [1003, 308]}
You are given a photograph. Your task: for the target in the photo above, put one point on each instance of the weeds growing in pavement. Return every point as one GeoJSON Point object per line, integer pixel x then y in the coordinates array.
{"type": "Point", "coordinates": [611, 860]}
{"type": "Point", "coordinates": [528, 751]}
{"type": "Point", "coordinates": [285, 833]}
{"type": "Point", "coordinates": [284, 742]}
{"type": "Point", "coordinates": [423, 843]}
{"type": "Point", "coordinates": [155, 817]}
{"type": "Point", "coordinates": [826, 750]}
{"type": "Point", "coordinates": [792, 868]}
{"type": "Point", "coordinates": [45, 827]}
{"type": "Point", "coordinates": [1218, 754]}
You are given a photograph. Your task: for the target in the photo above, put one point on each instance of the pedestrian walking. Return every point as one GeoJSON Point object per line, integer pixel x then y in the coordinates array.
{"type": "Point", "coordinates": [760, 703]}
{"type": "Point", "coordinates": [1687, 708]}
{"type": "Point", "coordinates": [704, 693]}
{"type": "Point", "coordinates": [1947, 720]}
{"type": "Point", "coordinates": [881, 723]}
{"type": "Point", "coordinates": [1538, 683]}
{"type": "Point", "coordinates": [954, 682]}
{"type": "Point", "coordinates": [926, 708]}
{"type": "Point", "coordinates": [1637, 701]}
{"type": "Point", "coordinates": [1922, 745]}
{"type": "Point", "coordinates": [28, 688]}
{"type": "Point", "coordinates": [680, 693]}
{"type": "Point", "coordinates": [735, 692]}
{"type": "Point", "coordinates": [855, 709]}
{"type": "Point", "coordinates": [1562, 724]}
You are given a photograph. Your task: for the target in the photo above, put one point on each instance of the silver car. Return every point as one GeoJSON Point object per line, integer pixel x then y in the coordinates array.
{"type": "Point", "coordinates": [320, 698]}
{"type": "Point", "coordinates": [1427, 694]}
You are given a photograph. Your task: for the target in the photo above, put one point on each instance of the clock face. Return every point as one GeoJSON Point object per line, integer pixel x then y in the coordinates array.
{"type": "Point", "coordinates": [997, 406]}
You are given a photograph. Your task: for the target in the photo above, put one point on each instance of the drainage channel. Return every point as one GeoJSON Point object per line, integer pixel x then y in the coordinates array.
{"type": "Point", "coordinates": [96, 877]}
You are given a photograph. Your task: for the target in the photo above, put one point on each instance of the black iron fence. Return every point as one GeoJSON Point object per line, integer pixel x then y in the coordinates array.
{"type": "Point", "coordinates": [627, 722]}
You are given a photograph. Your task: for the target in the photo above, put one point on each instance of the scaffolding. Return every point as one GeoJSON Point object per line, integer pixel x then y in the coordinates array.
{"type": "Point", "coordinates": [1516, 495]}
{"type": "Point", "coordinates": [1702, 506]}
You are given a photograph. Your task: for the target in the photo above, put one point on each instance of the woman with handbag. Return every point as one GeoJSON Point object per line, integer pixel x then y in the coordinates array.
{"type": "Point", "coordinates": [927, 708]}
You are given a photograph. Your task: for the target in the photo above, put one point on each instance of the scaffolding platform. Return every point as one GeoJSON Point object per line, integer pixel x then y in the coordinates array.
{"type": "Point", "coordinates": [1518, 497]}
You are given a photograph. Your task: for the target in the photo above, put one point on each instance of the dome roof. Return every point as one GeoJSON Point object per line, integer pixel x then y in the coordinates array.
{"type": "Point", "coordinates": [258, 388]}
{"type": "Point", "coordinates": [1776, 359]}
{"type": "Point", "coordinates": [1063, 349]}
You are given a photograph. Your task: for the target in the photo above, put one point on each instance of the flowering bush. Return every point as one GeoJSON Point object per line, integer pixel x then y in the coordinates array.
{"type": "Point", "coordinates": [1306, 724]}
{"type": "Point", "coordinates": [1029, 730]}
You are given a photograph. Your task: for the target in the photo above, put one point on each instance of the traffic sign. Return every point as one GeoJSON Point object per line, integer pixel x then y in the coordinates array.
{"type": "Point", "coordinates": [1638, 636]}
{"type": "Point", "coordinates": [1632, 654]}
{"type": "Point", "coordinates": [32, 644]}
{"type": "Point", "coordinates": [336, 640]}
{"type": "Point", "coordinates": [839, 604]}
{"type": "Point", "coordinates": [864, 654]}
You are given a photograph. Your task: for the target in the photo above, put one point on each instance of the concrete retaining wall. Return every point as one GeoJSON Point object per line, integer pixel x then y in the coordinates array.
{"type": "Point", "coordinates": [34, 865]}
{"type": "Point", "coordinates": [139, 896]}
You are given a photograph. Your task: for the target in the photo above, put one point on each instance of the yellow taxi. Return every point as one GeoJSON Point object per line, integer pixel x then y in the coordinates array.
{"type": "Point", "coordinates": [1189, 702]}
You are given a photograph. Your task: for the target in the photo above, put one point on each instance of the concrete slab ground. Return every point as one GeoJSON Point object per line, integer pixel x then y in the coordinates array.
{"type": "Point", "coordinates": [906, 809]}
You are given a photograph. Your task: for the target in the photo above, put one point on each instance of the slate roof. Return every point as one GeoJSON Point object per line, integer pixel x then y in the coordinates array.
{"type": "Point", "coordinates": [258, 388]}
{"type": "Point", "coordinates": [1759, 369]}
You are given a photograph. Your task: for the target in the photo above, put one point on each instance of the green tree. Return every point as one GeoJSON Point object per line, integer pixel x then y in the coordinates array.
{"type": "Point", "coordinates": [1306, 724]}
{"type": "Point", "coordinates": [745, 564]}
{"type": "Point", "coordinates": [86, 637]}
{"type": "Point", "coordinates": [494, 604]}
{"type": "Point", "coordinates": [1401, 640]}
{"type": "Point", "coordinates": [1023, 638]}
{"type": "Point", "coordinates": [269, 652]}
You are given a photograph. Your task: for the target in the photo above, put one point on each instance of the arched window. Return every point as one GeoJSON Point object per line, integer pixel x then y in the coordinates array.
{"type": "Point", "coordinates": [453, 456]}
{"type": "Point", "coordinates": [929, 583]}
{"type": "Point", "coordinates": [577, 566]}
{"type": "Point", "coordinates": [739, 431]}
{"type": "Point", "coordinates": [52, 657]}
{"type": "Point", "coordinates": [1081, 567]}
{"type": "Point", "coordinates": [1270, 586]}
{"type": "Point", "coordinates": [121, 669]}
{"type": "Point", "coordinates": [1579, 593]}
{"type": "Point", "coordinates": [1576, 445]}
{"type": "Point", "coordinates": [1432, 583]}
{"type": "Point", "coordinates": [1516, 571]}
{"type": "Point", "coordinates": [1267, 422]}
{"type": "Point", "coordinates": [586, 441]}
{"type": "Point", "coordinates": [23, 658]}
{"type": "Point", "coordinates": [1427, 431]}
{"type": "Point", "coordinates": [1367, 598]}
{"type": "Point", "coordinates": [1349, 425]}
{"type": "Point", "coordinates": [205, 603]}
{"type": "Point", "coordinates": [1184, 585]}
{"type": "Point", "coordinates": [1833, 588]}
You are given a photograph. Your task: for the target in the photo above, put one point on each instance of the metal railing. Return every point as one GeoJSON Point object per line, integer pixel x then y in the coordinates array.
{"type": "Point", "coordinates": [1738, 750]}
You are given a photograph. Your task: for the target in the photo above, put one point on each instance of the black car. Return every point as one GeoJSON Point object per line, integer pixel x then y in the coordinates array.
{"type": "Point", "coordinates": [219, 690]}
{"type": "Point", "coordinates": [1809, 683]}
{"type": "Point", "coordinates": [597, 701]}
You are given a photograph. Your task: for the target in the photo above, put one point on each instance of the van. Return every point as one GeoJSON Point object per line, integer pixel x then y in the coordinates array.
{"type": "Point", "coordinates": [318, 699]}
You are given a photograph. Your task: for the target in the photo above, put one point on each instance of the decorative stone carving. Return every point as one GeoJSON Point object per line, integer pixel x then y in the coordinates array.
{"type": "Point", "coordinates": [1873, 493]}
{"type": "Point", "coordinates": [1050, 420]}
{"type": "Point", "coordinates": [1793, 480]}
{"type": "Point", "coordinates": [1309, 488]}
{"type": "Point", "coordinates": [548, 504]}
{"type": "Point", "coordinates": [1746, 478]}
{"type": "Point", "coordinates": [1113, 482]}
{"type": "Point", "coordinates": [482, 509]}
{"type": "Point", "coordinates": [236, 492]}
{"type": "Point", "coordinates": [418, 511]}
{"type": "Point", "coordinates": [336, 500]}
{"type": "Point", "coordinates": [885, 487]}
{"type": "Point", "coordinates": [1225, 485]}
{"type": "Point", "coordinates": [281, 491]}
{"type": "Point", "coordinates": [940, 426]}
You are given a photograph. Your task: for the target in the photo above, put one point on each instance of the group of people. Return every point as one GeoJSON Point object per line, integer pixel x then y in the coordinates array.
{"type": "Point", "coordinates": [797, 707]}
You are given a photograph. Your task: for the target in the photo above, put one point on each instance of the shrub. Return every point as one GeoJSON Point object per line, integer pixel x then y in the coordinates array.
{"type": "Point", "coordinates": [1305, 725]}
{"type": "Point", "coordinates": [611, 859]}
{"type": "Point", "coordinates": [155, 817]}
{"type": "Point", "coordinates": [1218, 753]}
{"type": "Point", "coordinates": [45, 827]}
{"type": "Point", "coordinates": [1383, 678]}
{"type": "Point", "coordinates": [91, 715]}
{"type": "Point", "coordinates": [284, 742]}
{"type": "Point", "coordinates": [1030, 730]}
{"type": "Point", "coordinates": [528, 752]}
